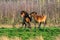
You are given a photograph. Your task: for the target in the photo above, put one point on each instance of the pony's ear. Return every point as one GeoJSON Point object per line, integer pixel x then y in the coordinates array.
{"type": "Point", "coordinates": [35, 12]}
{"type": "Point", "coordinates": [30, 14]}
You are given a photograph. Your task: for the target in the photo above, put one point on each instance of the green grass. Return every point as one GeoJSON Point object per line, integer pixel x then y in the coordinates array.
{"type": "Point", "coordinates": [25, 33]}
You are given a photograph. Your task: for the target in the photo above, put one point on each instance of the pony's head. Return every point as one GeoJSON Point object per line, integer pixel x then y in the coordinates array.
{"type": "Point", "coordinates": [32, 14]}
{"type": "Point", "coordinates": [23, 13]}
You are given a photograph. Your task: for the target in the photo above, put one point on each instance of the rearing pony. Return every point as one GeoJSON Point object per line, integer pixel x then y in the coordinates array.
{"type": "Point", "coordinates": [26, 18]}
{"type": "Point", "coordinates": [38, 18]}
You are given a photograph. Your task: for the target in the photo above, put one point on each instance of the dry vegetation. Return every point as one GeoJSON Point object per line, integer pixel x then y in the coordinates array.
{"type": "Point", "coordinates": [10, 10]}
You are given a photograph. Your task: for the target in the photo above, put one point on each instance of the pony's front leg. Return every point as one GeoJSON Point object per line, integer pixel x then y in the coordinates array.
{"type": "Point", "coordinates": [45, 23]}
{"type": "Point", "coordinates": [29, 26]}
{"type": "Point", "coordinates": [22, 25]}
{"type": "Point", "coordinates": [35, 24]}
{"type": "Point", "coordinates": [25, 25]}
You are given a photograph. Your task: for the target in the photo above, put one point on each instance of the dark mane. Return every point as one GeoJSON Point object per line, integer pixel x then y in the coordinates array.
{"type": "Point", "coordinates": [33, 12]}
{"type": "Point", "coordinates": [26, 14]}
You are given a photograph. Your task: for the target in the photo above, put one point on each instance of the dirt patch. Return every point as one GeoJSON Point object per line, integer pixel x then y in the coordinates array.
{"type": "Point", "coordinates": [37, 38]}
{"type": "Point", "coordinates": [58, 37]}
{"type": "Point", "coordinates": [32, 25]}
{"type": "Point", "coordinates": [7, 38]}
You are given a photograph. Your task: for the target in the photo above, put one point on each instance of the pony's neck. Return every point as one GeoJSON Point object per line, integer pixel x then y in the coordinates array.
{"type": "Point", "coordinates": [35, 17]}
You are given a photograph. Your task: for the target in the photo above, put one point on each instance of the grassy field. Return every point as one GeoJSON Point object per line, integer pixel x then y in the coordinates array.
{"type": "Point", "coordinates": [48, 33]}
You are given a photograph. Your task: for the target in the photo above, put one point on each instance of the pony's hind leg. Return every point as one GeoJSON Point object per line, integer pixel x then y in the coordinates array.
{"type": "Point", "coordinates": [39, 25]}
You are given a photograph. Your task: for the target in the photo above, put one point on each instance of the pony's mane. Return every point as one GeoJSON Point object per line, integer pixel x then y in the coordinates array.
{"type": "Point", "coordinates": [26, 13]}
{"type": "Point", "coordinates": [33, 12]}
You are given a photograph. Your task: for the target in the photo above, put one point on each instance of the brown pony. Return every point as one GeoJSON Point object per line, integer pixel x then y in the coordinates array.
{"type": "Point", "coordinates": [26, 18]}
{"type": "Point", "coordinates": [38, 18]}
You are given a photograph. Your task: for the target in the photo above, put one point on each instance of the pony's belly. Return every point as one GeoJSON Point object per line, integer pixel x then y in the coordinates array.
{"type": "Point", "coordinates": [27, 20]}
{"type": "Point", "coordinates": [41, 20]}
